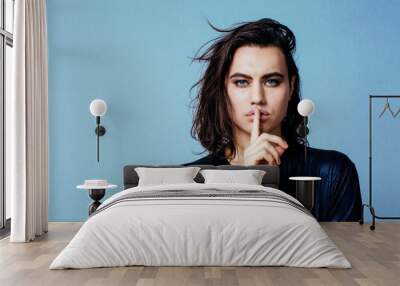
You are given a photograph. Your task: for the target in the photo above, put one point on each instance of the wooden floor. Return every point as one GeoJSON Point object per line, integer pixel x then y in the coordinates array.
{"type": "Point", "coordinates": [374, 255]}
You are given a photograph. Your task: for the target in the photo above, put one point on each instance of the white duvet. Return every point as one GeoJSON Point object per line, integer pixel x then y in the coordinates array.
{"type": "Point", "coordinates": [200, 231]}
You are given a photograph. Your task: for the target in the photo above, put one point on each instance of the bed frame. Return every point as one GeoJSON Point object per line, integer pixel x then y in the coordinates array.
{"type": "Point", "coordinates": [270, 179]}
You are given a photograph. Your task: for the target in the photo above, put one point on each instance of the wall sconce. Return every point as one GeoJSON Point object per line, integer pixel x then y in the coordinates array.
{"type": "Point", "coordinates": [305, 107]}
{"type": "Point", "coordinates": [98, 108]}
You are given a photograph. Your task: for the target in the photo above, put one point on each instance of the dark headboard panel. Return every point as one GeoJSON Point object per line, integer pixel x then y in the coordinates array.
{"type": "Point", "coordinates": [270, 179]}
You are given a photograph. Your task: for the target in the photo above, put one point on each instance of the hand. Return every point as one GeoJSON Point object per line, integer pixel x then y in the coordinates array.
{"type": "Point", "coordinates": [264, 147]}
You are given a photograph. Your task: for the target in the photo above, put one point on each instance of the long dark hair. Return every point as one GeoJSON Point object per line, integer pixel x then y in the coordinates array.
{"type": "Point", "coordinates": [212, 124]}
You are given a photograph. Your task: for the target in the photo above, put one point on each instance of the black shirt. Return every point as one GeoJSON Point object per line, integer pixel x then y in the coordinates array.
{"type": "Point", "coordinates": [337, 194]}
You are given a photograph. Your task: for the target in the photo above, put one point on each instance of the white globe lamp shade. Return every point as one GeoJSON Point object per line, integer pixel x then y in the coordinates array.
{"type": "Point", "coordinates": [98, 107]}
{"type": "Point", "coordinates": [306, 107]}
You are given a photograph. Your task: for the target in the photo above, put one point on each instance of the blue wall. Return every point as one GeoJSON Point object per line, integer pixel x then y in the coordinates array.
{"type": "Point", "coordinates": [136, 56]}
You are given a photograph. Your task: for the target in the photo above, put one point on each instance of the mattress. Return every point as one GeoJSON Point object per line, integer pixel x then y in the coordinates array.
{"type": "Point", "coordinates": [201, 225]}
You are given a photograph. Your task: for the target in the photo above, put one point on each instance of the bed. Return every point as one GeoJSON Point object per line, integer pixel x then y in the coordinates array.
{"type": "Point", "coordinates": [201, 224]}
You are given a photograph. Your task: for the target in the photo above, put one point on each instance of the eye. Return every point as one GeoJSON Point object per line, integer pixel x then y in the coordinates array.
{"type": "Point", "coordinates": [272, 82]}
{"type": "Point", "coordinates": [241, 83]}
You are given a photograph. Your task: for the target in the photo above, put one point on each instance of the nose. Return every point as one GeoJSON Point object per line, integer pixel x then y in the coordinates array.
{"type": "Point", "coordinates": [258, 96]}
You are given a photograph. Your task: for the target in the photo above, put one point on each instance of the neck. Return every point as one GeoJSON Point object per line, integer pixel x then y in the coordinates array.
{"type": "Point", "coordinates": [241, 142]}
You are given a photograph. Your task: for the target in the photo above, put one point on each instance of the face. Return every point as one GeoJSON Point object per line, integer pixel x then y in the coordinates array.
{"type": "Point", "coordinates": [258, 78]}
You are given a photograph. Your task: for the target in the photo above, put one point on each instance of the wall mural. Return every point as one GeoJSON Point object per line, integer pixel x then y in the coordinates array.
{"type": "Point", "coordinates": [246, 114]}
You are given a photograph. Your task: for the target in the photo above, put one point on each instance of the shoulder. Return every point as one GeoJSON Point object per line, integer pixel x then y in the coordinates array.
{"type": "Point", "coordinates": [296, 152]}
{"type": "Point", "coordinates": [209, 160]}
{"type": "Point", "coordinates": [334, 161]}
{"type": "Point", "coordinates": [329, 154]}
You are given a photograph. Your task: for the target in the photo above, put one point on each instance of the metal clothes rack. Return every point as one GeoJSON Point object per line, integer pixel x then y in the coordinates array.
{"type": "Point", "coordinates": [369, 205]}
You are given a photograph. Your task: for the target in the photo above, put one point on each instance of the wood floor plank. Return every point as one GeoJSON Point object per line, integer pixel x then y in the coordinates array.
{"type": "Point", "coordinates": [374, 255]}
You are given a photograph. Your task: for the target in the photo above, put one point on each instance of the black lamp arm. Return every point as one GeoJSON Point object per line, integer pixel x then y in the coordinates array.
{"type": "Point", "coordinates": [100, 131]}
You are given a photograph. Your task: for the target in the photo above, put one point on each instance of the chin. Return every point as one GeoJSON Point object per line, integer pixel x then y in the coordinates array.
{"type": "Point", "coordinates": [266, 128]}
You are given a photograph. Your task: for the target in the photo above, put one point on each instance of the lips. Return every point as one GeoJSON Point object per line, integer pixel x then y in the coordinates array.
{"type": "Point", "coordinates": [262, 113]}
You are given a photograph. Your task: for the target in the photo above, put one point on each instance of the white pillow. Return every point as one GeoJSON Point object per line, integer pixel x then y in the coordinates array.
{"type": "Point", "coordinates": [249, 177]}
{"type": "Point", "coordinates": [162, 176]}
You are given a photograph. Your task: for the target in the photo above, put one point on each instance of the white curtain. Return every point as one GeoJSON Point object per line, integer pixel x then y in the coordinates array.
{"type": "Point", "coordinates": [27, 123]}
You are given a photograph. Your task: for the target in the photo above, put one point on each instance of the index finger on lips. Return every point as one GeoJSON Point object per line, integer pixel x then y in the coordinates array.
{"type": "Point", "coordinates": [255, 131]}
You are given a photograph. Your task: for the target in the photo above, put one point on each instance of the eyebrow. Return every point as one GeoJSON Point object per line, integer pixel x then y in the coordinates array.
{"type": "Point", "coordinates": [264, 76]}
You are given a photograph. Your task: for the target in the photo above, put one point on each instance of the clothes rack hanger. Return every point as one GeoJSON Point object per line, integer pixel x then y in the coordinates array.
{"type": "Point", "coordinates": [386, 107]}
{"type": "Point", "coordinates": [397, 113]}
